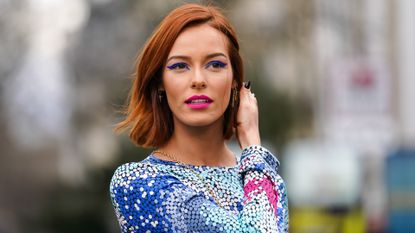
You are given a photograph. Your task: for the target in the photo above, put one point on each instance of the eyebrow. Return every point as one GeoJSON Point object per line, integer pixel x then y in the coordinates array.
{"type": "Point", "coordinates": [188, 58]}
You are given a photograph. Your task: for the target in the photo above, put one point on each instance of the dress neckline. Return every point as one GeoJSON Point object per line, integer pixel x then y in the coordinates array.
{"type": "Point", "coordinates": [156, 159]}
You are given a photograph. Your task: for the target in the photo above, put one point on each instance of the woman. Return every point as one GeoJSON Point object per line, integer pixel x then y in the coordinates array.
{"type": "Point", "coordinates": [187, 100]}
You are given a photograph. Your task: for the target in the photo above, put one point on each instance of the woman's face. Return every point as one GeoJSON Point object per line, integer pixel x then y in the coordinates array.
{"type": "Point", "coordinates": [197, 77]}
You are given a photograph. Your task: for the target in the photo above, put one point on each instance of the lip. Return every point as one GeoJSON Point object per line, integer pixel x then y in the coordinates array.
{"type": "Point", "coordinates": [198, 105]}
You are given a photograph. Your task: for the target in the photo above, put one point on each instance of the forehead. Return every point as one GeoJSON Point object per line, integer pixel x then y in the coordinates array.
{"type": "Point", "coordinates": [199, 40]}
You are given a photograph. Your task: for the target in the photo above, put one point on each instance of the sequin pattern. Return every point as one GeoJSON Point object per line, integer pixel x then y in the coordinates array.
{"type": "Point", "coordinates": [162, 196]}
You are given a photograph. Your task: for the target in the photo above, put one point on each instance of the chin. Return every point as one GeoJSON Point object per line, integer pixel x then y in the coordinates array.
{"type": "Point", "coordinates": [200, 122]}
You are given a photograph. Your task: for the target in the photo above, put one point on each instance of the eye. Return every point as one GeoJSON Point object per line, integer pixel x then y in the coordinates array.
{"type": "Point", "coordinates": [178, 66]}
{"type": "Point", "coordinates": [216, 64]}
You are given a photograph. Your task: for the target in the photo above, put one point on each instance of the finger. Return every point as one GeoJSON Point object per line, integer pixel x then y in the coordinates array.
{"type": "Point", "coordinates": [247, 96]}
{"type": "Point", "coordinates": [253, 99]}
{"type": "Point", "coordinates": [245, 93]}
{"type": "Point", "coordinates": [247, 84]}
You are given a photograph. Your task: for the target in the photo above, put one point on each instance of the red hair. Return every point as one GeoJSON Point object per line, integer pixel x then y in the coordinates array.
{"type": "Point", "coordinates": [151, 122]}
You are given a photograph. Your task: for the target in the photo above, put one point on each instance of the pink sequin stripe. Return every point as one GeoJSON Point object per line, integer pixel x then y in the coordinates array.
{"type": "Point", "coordinates": [255, 186]}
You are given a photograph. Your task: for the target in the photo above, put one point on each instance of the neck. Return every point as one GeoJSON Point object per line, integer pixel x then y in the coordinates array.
{"type": "Point", "coordinates": [200, 145]}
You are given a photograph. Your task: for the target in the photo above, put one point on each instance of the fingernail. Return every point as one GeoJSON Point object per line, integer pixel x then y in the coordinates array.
{"type": "Point", "coordinates": [247, 85]}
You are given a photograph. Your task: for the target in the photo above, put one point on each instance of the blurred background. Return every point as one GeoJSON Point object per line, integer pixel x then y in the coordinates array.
{"type": "Point", "coordinates": [335, 81]}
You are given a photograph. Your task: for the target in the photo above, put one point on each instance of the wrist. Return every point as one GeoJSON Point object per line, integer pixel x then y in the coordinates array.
{"type": "Point", "coordinates": [249, 138]}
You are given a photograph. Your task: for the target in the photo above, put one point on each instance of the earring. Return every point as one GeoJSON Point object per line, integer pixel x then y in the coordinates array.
{"type": "Point", "coordinates": [234, 97]}
{"type": "Point", "coordinates": [160, 94]}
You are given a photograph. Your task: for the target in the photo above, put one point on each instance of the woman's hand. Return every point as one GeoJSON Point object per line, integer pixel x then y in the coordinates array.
{"type": "Point", "coordinates": [247, 130]}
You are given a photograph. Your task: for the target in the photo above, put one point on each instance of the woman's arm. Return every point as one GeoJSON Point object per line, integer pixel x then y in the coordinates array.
{"type": "Point", "coordinates": [159, 202]}
{"type": "Point", "coordinates": [259, 169]}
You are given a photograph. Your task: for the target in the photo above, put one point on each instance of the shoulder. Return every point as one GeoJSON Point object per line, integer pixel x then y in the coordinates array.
{"type": "Point", "coordinates": [135, 172]}
{"type": "Point", "coordinates": [127, 172]}
{"type": "Point", "coordinates": [140, 192]}
{"type": "Point", "coordinates": [141, 176]}
{"type": "Point", "coordinates": [132, 169]}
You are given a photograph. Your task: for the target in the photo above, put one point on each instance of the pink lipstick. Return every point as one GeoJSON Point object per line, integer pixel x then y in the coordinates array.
{"type": "Point", "coordinates": [198, 101]}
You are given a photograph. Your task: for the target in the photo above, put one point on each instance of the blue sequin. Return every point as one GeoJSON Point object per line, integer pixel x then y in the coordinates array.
{"type": "Point", "coordinates": [162, 196]}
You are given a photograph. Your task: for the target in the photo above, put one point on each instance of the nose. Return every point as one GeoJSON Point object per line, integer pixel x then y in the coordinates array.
{"type": "Point", "coordinates": [198, 85]}
{"type": "Point", "coordinates": [198, 81]}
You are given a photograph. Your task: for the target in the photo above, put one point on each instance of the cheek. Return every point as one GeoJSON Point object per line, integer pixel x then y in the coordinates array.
{"type": "Point", "coordinates": [173, 85]}
{"type": "Point", "coordinates": [171, 90]}
{"type": "Point", "coordinates": [227, 89]}
{"type": "Point", "coordinates": [172, 94]}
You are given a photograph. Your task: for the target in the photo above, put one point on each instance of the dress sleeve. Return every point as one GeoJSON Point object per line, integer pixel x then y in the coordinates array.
{"type": "Point", "coordinates": [148, 200]}
{"type": "Point", "coordinates": [259, 169]}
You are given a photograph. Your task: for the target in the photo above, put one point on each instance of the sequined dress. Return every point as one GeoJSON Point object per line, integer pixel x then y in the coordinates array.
{"type": "Point", "coordinates": [155, 195]}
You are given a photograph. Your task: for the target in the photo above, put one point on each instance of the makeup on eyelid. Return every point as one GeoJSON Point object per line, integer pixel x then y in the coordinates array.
{"type": "Point", "coordinates": [177, 65]}
{"type": "Point", "coordinates": [182, 65]}
{"type": "Point", "coordinates": [221, 64]}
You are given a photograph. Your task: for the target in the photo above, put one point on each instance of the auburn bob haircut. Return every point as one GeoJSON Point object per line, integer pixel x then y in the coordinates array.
{"type": "Point", "coordinates": [149, 121]}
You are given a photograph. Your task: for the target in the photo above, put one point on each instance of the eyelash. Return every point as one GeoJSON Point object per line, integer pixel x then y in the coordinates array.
{"type": "Point", "coordinates": [218, 63]}
{"type": "Point", "coordinates": [175, 66]}
{"type": "Point", "coordinates": [182, 65]}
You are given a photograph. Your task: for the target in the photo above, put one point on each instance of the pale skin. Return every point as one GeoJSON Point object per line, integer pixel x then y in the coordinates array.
{"type": "Point", "coordinates": [199, 64]}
